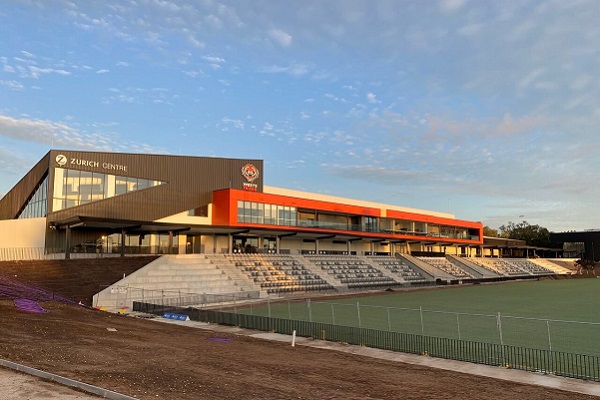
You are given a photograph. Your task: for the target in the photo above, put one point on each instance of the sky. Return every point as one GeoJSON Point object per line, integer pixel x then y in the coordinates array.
{"type": "Point", "coordinates": [489, 110]}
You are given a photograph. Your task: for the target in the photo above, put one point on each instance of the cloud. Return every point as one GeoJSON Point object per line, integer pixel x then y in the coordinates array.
{"type": "Point", "coordinates": [280, 37]}
{"type": "Point", "coordinates": [213, 60]}
{"type": "Point", "coordinates": [452, 5]}
{"type": "Point", "coordinates": [385, 175]}
{"type": "Point", "coordinates": [50, 133]}
{"type": "Point", "coordinates": [102, 71]}
{"type": "Point", "coordinates": [60, 134]}
{"type": "Point", "coordinates": [372, 98]}
{"type": "Point", "coordinates": [235, 123]}
{"type": "Point", "coordinates": [12, 85]}
{"type": "Point", "coordinates": [295, 70]}
{"type": "Point", "coordinates": [37, 72]}
{"type": "Point", "coordinates": [138, 95]}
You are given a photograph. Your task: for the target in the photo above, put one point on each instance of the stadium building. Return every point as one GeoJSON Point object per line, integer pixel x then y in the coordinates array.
{"type": "Point", "coordinates": [95, 202]}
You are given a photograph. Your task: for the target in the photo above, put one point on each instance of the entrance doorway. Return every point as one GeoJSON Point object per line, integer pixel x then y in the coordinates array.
{"type": "Point", "coordinates": [194, 245]}
{"type": "Point", "coordinates": [245, 244]}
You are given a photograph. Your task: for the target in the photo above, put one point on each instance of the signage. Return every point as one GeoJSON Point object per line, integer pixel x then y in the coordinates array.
{"type": "Point", "coordinates": [250, 172]}
{"type": "Point", "coordinates": [63, 160]}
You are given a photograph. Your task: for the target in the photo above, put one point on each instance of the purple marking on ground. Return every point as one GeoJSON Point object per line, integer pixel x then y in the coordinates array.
{"type": "Point", "coordinates": [29, 306]}
{"type": "Point", "coordinates": [220, 339]}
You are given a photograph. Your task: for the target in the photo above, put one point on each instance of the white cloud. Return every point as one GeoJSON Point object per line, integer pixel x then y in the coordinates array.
{"type": "Point", "coordinates": [102, 71]}
{"type": "Point", "coordinates": [12, 85]}
{"type": "Point", "coordinates": [280, 37]}
{"type": "Point", "coordinates": [49, 133]}
{"type": "Point", "coordinates": [452, 5]}
{"type": "Point", "coordinates": [213, 60]}
{"type": "Point", "coordinates": [372, 98]}
{"type": "Point", "coordinates": [236, 123]}
{"type": "Point", "coordinates": [295, 70]}
{"type": "Point", "coordinates": [60, 134]}
{"type": "Point", "coordinates": [37, 72]}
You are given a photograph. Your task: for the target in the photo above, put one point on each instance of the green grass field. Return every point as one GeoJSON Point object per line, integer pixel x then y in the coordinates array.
{"type": "Point", "coordinates": [560, 315]}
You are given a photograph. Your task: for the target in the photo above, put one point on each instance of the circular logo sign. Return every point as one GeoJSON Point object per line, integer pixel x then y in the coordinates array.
{"type": "Point", "coordinates": [61, 159]}
{"type": "Point", "coordinates": [250, 172]}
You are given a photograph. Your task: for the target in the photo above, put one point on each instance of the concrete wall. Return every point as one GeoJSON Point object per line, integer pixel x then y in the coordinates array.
{"type": "Point", "coordinates": [22, 239]}
{"type": "Point", "coordinates": [28, 232]}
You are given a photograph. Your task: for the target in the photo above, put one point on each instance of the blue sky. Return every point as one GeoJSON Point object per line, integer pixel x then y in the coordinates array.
{"type": "Point", "coordinates": [486, 109]}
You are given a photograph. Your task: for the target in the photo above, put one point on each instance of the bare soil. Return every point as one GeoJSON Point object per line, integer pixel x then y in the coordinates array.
{"type": "Point", "coordinates": [151, 360]}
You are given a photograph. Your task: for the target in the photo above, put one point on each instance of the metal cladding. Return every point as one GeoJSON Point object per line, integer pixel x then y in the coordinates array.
{"type": "Point", "coordinates": [16, 199]}
{"type": "Point", "coordinates": [189, 183]}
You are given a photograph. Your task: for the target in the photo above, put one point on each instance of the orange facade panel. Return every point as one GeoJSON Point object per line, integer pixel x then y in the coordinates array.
{"type": "Point", "coordinates": [225, 213]}
{"type": "Point", "coordinates": [298, 202]}
{"type": "Point", "coordinates": [408, 216]}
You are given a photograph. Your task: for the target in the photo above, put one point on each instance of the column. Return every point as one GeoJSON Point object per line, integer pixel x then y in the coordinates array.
{"type": "Point", "coordinates": [68, 243]}
{"type": "Point", "coordinates": [123, 242]}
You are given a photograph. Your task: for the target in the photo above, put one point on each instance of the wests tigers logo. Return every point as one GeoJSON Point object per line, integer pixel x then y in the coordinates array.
{"type": "Point", "coordinates": [250, 172]}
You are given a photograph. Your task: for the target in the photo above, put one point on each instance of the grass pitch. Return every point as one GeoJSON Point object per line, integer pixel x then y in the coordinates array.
{"type": "Point", "coordinates": [560, 315]}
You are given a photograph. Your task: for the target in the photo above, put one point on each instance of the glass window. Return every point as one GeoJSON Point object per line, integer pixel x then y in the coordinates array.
{"type": "Point", "coordinates": [85, 187]}
{"type": "Point", "coordinates": [98, 182]}
{"type": "Point", "coordinates": [73, 188]}
{"type": "Point", "coordinates": [132, 184]}
{"type": "Point", "coordinates": [37, 206]}
{"type": "Point", "coordinates": [143, 184]}
{"type": "Point", "coordinates": [120, 185]}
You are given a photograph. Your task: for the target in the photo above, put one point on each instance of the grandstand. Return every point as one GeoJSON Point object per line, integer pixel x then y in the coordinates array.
{"type": "Point", "coordinates": [114, 283]}
{"type": "Point", "coordinates": [401, 270]}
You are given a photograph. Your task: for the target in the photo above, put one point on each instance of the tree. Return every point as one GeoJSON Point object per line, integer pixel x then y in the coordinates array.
{"type": "Point", "coordinates": [533, 235]}
{"type": "Point", "coordinates": [487, 231]}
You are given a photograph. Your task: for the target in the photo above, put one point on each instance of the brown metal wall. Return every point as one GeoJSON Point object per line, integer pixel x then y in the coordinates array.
{"type": "Point", "coordinates": [190, 183]}
{"type": "Point", "coordinates": [16, 199]}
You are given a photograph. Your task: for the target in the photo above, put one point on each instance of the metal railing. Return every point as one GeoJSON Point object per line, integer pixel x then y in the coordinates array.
{"type": "Point", "coordinates": [565, 364]}
{"type": "Point", "coordinates": [536, 333]}
{"type": "Point", "coordinates": [124, 295]}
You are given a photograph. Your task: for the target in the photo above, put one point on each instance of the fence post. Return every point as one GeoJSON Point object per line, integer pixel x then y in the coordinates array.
{"type": "Point", "coordinates": [499, 325]}
{"type": "Point", "coordinates": [422, 324]}
{"type": "Point", "coordinates": [358, 314]}
{"type": "Point", "coordinates": [309, 310]}
{"type": "Point", "coordinates": [388, 317]}
{"type": "Point", "coordinates": [458, 326]}
{"type": "Point", "coordinates": [269, 306]}
{"type": "Point", "coordinates": [332, 314]}
{"type": "Point", "coordinates": [549, 338]}
{"type": "Point", "coordinates": [289, 310]}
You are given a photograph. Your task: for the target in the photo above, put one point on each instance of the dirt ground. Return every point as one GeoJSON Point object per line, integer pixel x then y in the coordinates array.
{"type": "Point", "coordinates": [150, 360]}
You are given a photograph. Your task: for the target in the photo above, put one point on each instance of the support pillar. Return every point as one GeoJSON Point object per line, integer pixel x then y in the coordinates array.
{"type": "Point", "coordinates": [68, 243]}
{"type": "Point", "coordinates": [123, 242]}
{"type": "Point", "coordinates": [316, 246]}
{"type": "Point", "coordinates": [229, 243]}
